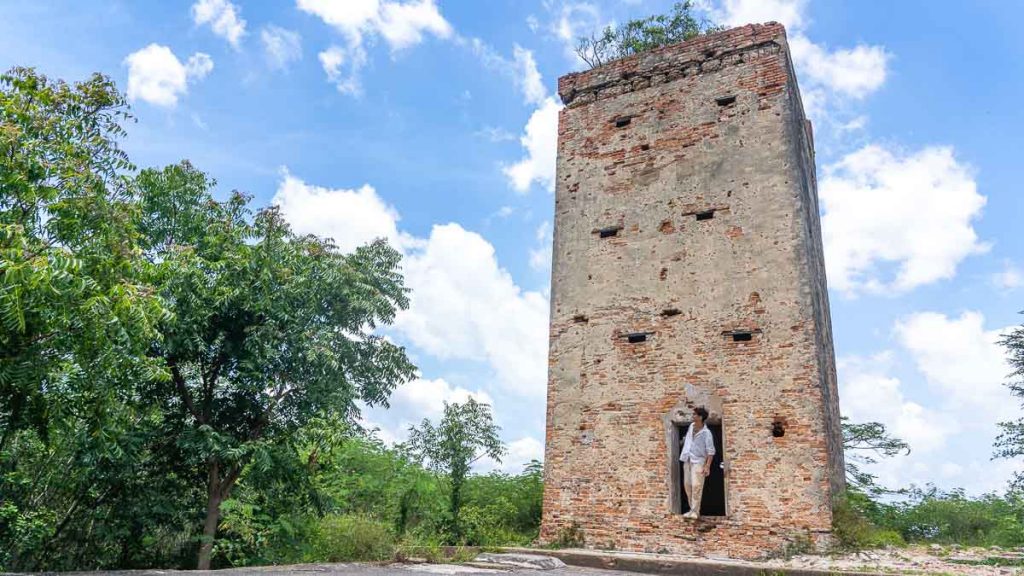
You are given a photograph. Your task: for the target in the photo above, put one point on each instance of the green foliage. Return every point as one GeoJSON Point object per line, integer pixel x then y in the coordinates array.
{"type": "Point", "coordinates": [465, 434]}
{"type": "Point", "coordinates": [636, 36]}
{"type": "Point", "coordinates": [930, 515]}
{"type": "Point", "coordinates": [76, 320]}
{"type": "Point", "coordinates": [500, 509]}
{"type": "Point", "coordinates": [1010, 442]}
{"type": "Point", "coordinates": [269, 329]}
{"type": "Point", "coordinates": [852, 527]}
{"type": "Point", "coordinates": [350, 538]}
{"type": "Point", "coordinates": [863, 444]}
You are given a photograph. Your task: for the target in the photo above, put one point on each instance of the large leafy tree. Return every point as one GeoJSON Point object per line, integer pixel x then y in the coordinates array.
{"type": "Point", "coordinates": [75, 320]}
{"type": "Point", "coordinates": [465, 434]}
{"type": "Point", "coordinates": [269, 328]}
{"type": "Point", "coordinates": [1010, 442]}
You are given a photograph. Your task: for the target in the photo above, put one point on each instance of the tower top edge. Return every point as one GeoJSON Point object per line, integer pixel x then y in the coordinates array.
{"type": "Point", "coordinates": [690, 53]}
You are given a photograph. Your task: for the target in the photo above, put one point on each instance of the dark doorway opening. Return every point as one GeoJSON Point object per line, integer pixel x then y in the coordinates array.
{"type": "Point", "coordinates": [712, 503]}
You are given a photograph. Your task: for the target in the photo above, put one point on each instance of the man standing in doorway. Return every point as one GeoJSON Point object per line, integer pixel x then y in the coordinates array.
{"type": "Point", "coordinates": [697, 454]}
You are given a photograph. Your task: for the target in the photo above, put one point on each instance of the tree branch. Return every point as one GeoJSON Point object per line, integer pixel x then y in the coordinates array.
{"type": "Point", "coordinates": [182, 386]}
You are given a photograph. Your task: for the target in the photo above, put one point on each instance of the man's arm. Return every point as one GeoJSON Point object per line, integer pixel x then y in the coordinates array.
{"type": "Point", "coordinates": [709, 444]}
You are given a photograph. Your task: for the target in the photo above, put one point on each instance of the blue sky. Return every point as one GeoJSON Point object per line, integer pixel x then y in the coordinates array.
{"type": "Point", "coordinates": [432, 123]}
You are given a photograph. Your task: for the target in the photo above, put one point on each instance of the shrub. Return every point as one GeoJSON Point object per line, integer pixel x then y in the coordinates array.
{"type": "Point", "coordinates": [852, 528]}
{"type": "Point", "coordinates": [636, 36]}
{"type": "Point", "coordinates": [351, 538]}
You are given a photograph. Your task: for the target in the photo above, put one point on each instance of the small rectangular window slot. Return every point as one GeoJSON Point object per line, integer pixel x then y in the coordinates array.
{"type": "Point", "coordinates": [742, 336]}
{"type": "Point", "coordinates": [579, 318]}
{"type": "Point", "coordinates": [645, 147]}
{"type": "Point", "coordinates": [609, 231]}
{"type": "Point", "coordinates": [669, 312]}
{"type": "Point", "coordinates": [622, 121]}
{"type": "Point", "coordinates": [636, 337]}
{"type": "Point", "coordinates": [725, 100]}
{"type": "Point", "coordinates": [705, 215]}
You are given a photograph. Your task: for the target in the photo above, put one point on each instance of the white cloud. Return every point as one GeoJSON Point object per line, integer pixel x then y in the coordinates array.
{"type": "Point", "coordinates": [423, 398]}
{"type": "Point", "coordinates": [401, 24]}
{"type": "Point", "coordinates": [914, 211]}
{"type": "Point", "coordinates": [576, 19]}
{"type": "Point", "coordinates": [540, 256]}
{"type": "Point", "coordinates": [496, 134]}
{"type": "Point", "coordinates": [521, 68]}
{"type": "Point", "coordinates": [156, 76]}
{"type": "Point", "coordinates": [198, 65]}
{"type": "Point", "coordinates": [854, 72]}
{"type": "Point", "coordinates": [962, 362]}
{"type": "Point", "coordinates": [869, 394]}
{"type": "Point", "coordinates": [824, 75]}
{"type": "Point", "coordinates": [280, 46]}
{"type": "Point", "coordinates": [790, 13]}
{"type": "Point", "coordinates": [959, 396]}
{"type": "Point", "coordinates": [528, 77]}
{"type": "Point", "coordinates": [520, 453]}
{"type": "Point", "coordinates": [540, 139]}
{"type": "Point", "coordinates": [463, 304]}
{"type": "Point", "coordinates": [352, 217]}
{"type": "Point", "coordinates": [222, 17]}
{"type": "Point", "coordinates": [1010, 277]}
{"type": "Point", "coordinates": [335, 58]}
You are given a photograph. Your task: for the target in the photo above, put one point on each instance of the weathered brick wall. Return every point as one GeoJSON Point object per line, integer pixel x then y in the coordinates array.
{"type": "Point", "coordinates": [756, 265]}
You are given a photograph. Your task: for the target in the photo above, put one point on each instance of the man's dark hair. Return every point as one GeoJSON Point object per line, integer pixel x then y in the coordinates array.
{"type": "Point", "coordinates": [703, 413]}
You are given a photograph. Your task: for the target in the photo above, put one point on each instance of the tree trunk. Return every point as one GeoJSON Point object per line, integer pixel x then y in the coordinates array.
{"type": "Point", "coordinates": [456, 507]}
{"type": "Point", "coordinates": [212, 516]}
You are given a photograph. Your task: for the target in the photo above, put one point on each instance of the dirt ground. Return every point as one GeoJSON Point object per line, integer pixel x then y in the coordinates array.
{"type": "Point", "coordinates": [918, 559]}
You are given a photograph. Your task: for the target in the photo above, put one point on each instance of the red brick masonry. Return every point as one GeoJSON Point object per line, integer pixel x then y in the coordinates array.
{"type": "Point", "coordinates": [645, 144]}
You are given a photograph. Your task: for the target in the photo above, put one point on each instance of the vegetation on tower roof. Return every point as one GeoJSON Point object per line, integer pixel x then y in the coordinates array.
{"type": "Point", "coordinates": [636, 36]}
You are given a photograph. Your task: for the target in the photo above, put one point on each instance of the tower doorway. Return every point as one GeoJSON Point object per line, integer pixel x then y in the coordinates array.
{"type": "Point", "coordinates": [712, 503]}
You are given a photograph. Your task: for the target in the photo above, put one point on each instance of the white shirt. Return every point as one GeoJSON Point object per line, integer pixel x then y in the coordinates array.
{"type": "Point", "coordinates": [697, 448]}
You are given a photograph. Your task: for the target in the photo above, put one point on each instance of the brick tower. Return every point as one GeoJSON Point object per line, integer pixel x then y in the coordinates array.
{"type": "Point", "coordinates": [688, 271]}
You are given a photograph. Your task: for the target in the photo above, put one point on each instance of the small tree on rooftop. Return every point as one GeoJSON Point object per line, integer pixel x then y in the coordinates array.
{"type": "Point", "coordinates": [465, 434]}
{"type": "Point", "coordinates": [636, 36]}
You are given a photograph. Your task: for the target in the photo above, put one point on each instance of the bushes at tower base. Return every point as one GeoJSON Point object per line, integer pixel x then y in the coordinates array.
{"type": "Point", "coordinates": [351, 538]}
{"type": "Point", "coordinates": [929, 515]}
{"type": "Point", "coordinates": [852, 528]}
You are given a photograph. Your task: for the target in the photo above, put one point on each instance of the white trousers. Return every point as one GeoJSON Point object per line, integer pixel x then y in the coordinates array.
{"type": "Point", "coordinates": [693, 484]}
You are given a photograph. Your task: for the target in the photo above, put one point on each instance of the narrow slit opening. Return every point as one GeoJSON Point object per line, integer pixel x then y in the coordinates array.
{"type": "Point", "coordinates": [580, 318]}
{"type": "Point", "coordinates": [725, 100]}
{"type": "Point", "coordinates": [636, 337]}
{"type": "Point", "coordinates": [669, 312]}
{"type": "Point", "coordinates": [609, 231]}
{"type": "Point", "coordinates": [742, 336]}
{"type": "Point", "coordinates": [705, 215]}
{"type": "Point", "coordinates": [624, 121]}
